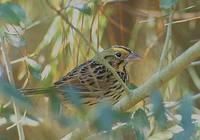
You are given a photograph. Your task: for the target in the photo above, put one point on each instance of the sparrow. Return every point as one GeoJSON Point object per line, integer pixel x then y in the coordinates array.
{"type": "Point", "coordinates": [92, 81]}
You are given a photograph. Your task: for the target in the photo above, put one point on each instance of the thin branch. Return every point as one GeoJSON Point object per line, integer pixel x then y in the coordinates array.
{"type": "Point", "coordinates": [184, 20]}
{"type": "Point", "coordinates": [167, 42]}
{"type": "Point", "coordinates": [19, 60]}
{"type": "Point", "coordinates": [194, 76]}
{"type": "Point", "coordinates": [173, 117]}
{"type": "Point", "coordinates": [98, 36]}
{"type": "Point", "coordinates": [188, 19]}
{"type": "Point", "coordinates": [6, 104]}
{"type": "Point", "coordinates": [67, 5]}
{"type": "Point", "coordinates": [11, 80]}
{"type": "Point", "coordinates": [79, 42]}
{"type": "Point", "coordinates": [195, 63]}
{"type": "Point", "coordinates": [38, 22]}
{"type": "Point", "coordinates": [159, 78]}
{"type": "Point", "coordinates": [20, 121]}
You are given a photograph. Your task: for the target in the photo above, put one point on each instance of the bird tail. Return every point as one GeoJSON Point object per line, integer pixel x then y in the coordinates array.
{"type": "Point", "coordinates": [35, 91]}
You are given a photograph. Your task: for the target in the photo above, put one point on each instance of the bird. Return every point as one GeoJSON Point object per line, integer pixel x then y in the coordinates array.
{"type": "Point", "coordinates": [92, 81]}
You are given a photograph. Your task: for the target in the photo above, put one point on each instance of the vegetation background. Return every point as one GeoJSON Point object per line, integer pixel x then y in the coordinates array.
{"type": "Point", "coordinates": [42, 40]}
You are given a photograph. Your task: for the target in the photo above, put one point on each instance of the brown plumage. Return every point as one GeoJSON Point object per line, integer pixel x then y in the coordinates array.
{"type": "Point", "coordinates": [92, 81]}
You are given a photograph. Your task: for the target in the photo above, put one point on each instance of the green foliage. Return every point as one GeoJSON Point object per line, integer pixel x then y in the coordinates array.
{"type": "Point", "coordinates": [166, 4]}
{"type": "Point", "coordinates": [16, 40]}
{"type": "Point", "coordinates": [186, 121]}
{"type": "Point", "coordinates": [186, 112]}
{"type": "Point", "coordinates": [69, 121]}
{"type": "Point", "coordinates": [158, 108]}
{"type": "Point", "coordinates": [12, 13]}
{"type": "Point", "coordinates": [34, 68]}
{"type": "Point", "coordinates": [55, 104]}
{"type": "Point", "coordinates": [1, 73]}
{"type": "Point", "coordinates": [105, 116]}
{"type": "Point", "coordinates": [131, 86]}
{"type": "Point", "coordinates": [73, 95]}
{"type": "Point", "coordinates": [10, 92]}
{"type": "Point", "coordinates": [4, 112]}
{"type": "Point", "coordinates": [140, 123]}
{"type": "Point", "coordinates": [84, 8]}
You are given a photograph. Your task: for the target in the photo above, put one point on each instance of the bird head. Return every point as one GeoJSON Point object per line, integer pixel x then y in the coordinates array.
{"type": "Point", "coordinates": [118, 56]}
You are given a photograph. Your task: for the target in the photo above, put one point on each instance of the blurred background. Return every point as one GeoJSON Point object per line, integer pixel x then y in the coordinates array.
{"type": "Point", "coordinates": [47, 45]}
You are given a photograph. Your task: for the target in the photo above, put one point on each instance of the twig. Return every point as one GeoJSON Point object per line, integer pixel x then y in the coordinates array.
{"type": "Point", "coordinates": [19, 60]}
{"type": "Point", "coordinates": [187, 19]}
{"type": "Point", "coordinates": [67, 5]}
{"type": "Point", "coordinates": [98, 36]}
{"type": "Point", "coordinates": [38, 22]}
{"type": "Point", "coordinates": [6, 104]}
{"type": "Point", "coordinates": [79, 42]}
{"type": "Point", "coordinates": [167, 42]}
{"type": "Point", "coordinates": [184, 20]}
{"type": "Point", "coordinates": [20, 121]}
{"type": "Point", "coordinates": [194, 76]}
{"type": "Point", "coordinates": [11, 80]}
{"type": "Point", "coordinates": [173, 117]}
{"type": "Point", "coordinates": [171, 70]}
{"type": "Point", "coordinates": [195, 63]}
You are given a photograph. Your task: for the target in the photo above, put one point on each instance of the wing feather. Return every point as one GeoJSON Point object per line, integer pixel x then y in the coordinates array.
{"type": "Point", "coordinates": [91, 81]}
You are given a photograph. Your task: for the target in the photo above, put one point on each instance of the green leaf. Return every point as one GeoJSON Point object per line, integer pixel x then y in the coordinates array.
{"type": "Point", "coordinates": [56, 110]}
{"type": "Point", "coordinates": [72, 94]}
{"type": "Point", "coordinates": [84, 8]}
{"type": "Point", "coordinates": [186, 112]}
{"type": "Point", "coordinates": [2, 31]}
{"type": "Point", "coordinates": [1, 73]}
{"type": "Point", "coordinates": [55, 105]}
{"type": "Point", "coordinates": [158, 109]}
{"type": "Point", "coordinates": [166, 4]}
{"type": "Point", "coordinates": [70, 121]}
{"type": "Point", "coordinates": [131, 86]}
{"type": "Point", "coordinates": [34, 68]}
{"type": "Point", "coordinates": [10, 92]}
{"type": "Point", "coordinates": [12, 13]}
{"type": "Point", "coordinates": [105, 116]}
{"type": "Point", "coordinates": [139, 134]}
{"type": "Point", "coordinates": [46, 71]}
{"type": "Point", "coordinates": [140, 122]}
{"type": "Point", "coordinates": [186, 121]}
{"type": "Point", "coordinates": [16, 41]}
{"type": "Point", "coordinates": [140, 119]}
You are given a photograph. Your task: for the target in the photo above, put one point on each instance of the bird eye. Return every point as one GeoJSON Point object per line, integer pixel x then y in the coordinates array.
{"type": "Point", "coordinates": [118, 54]}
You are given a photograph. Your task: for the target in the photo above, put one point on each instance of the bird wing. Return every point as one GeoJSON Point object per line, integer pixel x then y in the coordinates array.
{"type": "Point", "coordinates": [88, 77]}
{"type": "Point", "coordinates": [89, 80]}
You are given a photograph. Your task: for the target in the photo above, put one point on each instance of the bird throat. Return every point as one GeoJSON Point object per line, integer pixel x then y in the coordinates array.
{"type": "Point", "coordinates": [119, 66]}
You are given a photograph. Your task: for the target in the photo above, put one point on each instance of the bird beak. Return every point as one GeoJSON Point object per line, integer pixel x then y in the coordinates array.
{"type": "Point", "coordinates": [132, 56]}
